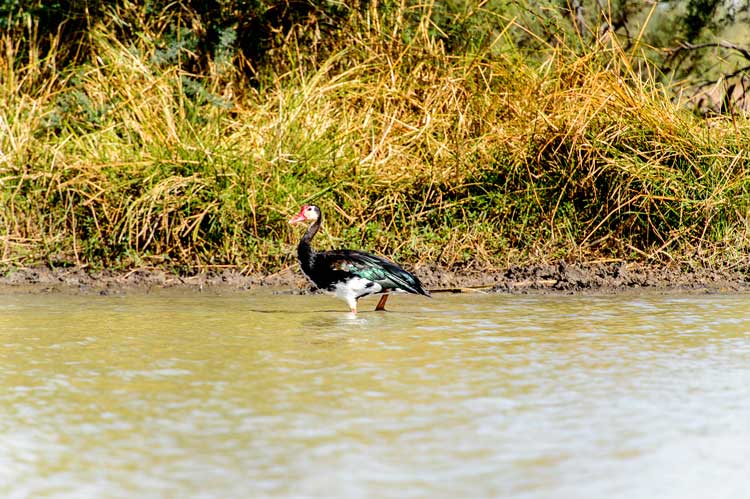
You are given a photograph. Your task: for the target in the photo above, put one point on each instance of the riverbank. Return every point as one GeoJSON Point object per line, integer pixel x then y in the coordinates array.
{"type": "Point", "coordinates": [483, 157]}
{"type": "Point", "coordinates": [560, 278]}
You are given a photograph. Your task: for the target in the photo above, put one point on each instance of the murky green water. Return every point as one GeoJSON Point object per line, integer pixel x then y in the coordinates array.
{"type": "Point", "coordinates": [180, 394]}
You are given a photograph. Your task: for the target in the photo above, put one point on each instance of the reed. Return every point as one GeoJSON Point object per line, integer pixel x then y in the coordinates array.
{"type": "Point", "coordinates": [481, 159]}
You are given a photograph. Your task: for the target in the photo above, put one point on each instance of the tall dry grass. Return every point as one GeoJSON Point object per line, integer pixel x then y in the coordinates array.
{"type": "Point", "coordinates": [479, 160]}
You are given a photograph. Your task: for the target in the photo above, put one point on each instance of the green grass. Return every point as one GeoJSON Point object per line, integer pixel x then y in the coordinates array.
{"type": "Point", "coordinates": [474, 160]}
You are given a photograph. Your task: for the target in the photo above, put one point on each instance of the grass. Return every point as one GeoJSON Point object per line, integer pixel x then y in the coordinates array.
{"type": "Point", "coordinates": [477, 160]}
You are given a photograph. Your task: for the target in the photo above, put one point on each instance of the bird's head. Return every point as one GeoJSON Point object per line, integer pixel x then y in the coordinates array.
{"type": "Point", "coordinates": [308, 213]}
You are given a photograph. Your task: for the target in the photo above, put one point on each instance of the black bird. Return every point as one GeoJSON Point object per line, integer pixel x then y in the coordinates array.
{"type": "Point", "coordinates": [350, 274]}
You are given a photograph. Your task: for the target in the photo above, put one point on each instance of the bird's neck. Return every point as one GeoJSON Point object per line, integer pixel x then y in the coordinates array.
{"type": "Point", "coordinates": [305, 252]}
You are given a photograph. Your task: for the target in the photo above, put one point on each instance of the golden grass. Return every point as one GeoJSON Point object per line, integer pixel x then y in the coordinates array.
{"type": "Point", "coordinates": [484, 159]}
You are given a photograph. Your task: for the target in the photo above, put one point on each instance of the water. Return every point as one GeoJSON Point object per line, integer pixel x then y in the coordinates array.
{"type": "Point", "coordinates": [181, 394]}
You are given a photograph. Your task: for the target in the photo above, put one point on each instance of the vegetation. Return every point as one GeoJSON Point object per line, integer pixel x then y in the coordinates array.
{"type": "Point", "coordinates": [464, 136]}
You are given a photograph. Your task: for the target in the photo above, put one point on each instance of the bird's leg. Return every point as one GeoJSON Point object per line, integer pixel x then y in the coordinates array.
{"type": "Point", "coordinates": [381, 303]}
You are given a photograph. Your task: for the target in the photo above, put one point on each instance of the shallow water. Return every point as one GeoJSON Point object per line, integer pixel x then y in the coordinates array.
{"type": "Point", "coordinates": [182, 394]}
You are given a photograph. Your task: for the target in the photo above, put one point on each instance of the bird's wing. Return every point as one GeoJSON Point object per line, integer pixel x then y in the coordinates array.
{"type": "Point", "coordinates": [374, 268]}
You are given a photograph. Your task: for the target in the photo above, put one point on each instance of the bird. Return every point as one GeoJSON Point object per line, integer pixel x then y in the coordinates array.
{"type": "Point", "coordinates": [350, 274]}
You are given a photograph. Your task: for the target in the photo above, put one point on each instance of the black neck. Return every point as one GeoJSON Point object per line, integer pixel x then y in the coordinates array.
{"type": "Point", "coordinates": [304, 250]}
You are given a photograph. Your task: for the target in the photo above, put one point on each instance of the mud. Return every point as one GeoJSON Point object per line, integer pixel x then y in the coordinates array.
{"type": "Point", "coordinates": [561, 278]}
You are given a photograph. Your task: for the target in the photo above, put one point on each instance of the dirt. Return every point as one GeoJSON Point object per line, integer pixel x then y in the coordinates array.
{"type": "Point", "coordinates": [561, 278]}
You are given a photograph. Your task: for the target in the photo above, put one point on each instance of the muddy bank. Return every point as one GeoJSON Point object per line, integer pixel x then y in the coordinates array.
{"type": "Point", "coordinates": [560, 278]}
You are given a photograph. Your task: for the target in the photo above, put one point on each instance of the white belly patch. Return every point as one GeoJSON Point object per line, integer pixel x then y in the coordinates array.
{"type": "Point", "coordinates": [355, 288]}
